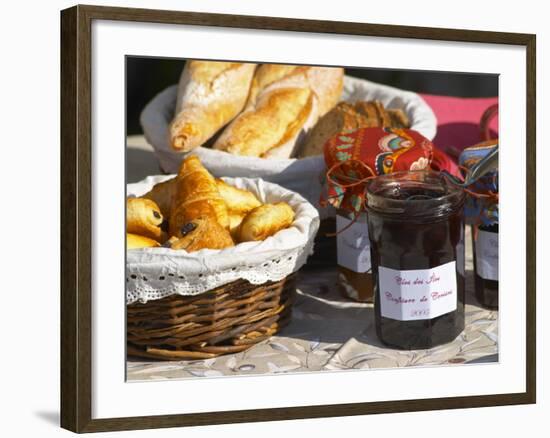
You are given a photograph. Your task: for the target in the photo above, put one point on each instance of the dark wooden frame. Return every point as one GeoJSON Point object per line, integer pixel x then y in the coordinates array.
{"type": "Point", "coordinates": [76, 168]}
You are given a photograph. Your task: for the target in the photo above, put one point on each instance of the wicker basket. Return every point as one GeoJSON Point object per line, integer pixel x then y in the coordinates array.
{"type": "Point", "coordinates": [228, 319]}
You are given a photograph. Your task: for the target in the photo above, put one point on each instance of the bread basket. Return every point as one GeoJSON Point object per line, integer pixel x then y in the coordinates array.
{"type": "Point", "coordinates": [203, 304]}
{"type": "Point", "coordinates": [300, 175]}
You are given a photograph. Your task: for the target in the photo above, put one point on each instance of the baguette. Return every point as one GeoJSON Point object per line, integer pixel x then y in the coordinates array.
{"type": "Point", "coordinates": [210, 94]}
{"type": "Point", "coordinates": [325, 82]}
{"type": "Point", "coordinates": [284, 102]}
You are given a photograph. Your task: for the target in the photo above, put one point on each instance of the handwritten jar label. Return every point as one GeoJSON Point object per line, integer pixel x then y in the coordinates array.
{"type": "Point", "coordinates": [487, 255]}
{"type": "Point", "coordinates": [419, 293]}
{"type": "Point", "coordinates": [353, 245]}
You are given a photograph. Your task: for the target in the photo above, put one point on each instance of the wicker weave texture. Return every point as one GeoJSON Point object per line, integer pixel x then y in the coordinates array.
{"type": "Point", "coordinates": [227, 319]}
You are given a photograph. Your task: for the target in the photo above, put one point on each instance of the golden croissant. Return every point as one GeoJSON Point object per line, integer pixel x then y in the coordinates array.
{"type": "Point", "coordinates": [196, 194]}
{"type": "Point", "coordinates": [265, 221]}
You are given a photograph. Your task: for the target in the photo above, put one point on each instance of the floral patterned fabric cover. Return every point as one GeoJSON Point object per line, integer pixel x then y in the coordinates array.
{"type": "Point", "coordinates": [353, 157]}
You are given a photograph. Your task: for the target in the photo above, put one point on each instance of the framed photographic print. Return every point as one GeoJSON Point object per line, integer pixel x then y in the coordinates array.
{"type": "Point", "coordinates": [268, 218]}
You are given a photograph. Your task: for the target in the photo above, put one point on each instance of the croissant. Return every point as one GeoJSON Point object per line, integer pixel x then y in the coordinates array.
{"type": "Point", "coordinates": [238, 201]}
{"type": "Point", "coordinates": [143, 217]}
{"type": "Point", "coordinates": [196, 195]}
{"type": "Point", "coordinates": [133, 241]}
{"type": "Point", "coordinates": [163, 195]}
{"type": "Point", "coordinates": [265, 221]}
{"type": "Point", "coordinates": [210, 94]}
{"type": "Point", "coordinates": [235, 220]}
{"type": "Point", "coordinates": [202, 232]}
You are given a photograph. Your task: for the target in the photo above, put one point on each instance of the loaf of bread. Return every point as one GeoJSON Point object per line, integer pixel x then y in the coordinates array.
{"type": "Point", "coordinates": [349, 117]}
{"type": "Point", "coordinates": [398, 119]}
{"type": "Point", "coordinates": [285, 101]}
{"type": "Point", "coordinates": [210, 94]}
{"type": "Point", "coordinates": [196, 195]}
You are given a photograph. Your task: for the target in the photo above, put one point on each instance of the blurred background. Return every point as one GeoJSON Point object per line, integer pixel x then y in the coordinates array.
{"type": "Point", "coordinates": [145, 77]}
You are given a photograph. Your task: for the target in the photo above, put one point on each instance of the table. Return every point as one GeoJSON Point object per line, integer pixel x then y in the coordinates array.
{"type": "Point", "coordinates": [330, 332]}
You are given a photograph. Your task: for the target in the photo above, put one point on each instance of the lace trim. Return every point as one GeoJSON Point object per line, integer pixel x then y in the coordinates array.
{"type": "Point", "coordinates": [144, 284]}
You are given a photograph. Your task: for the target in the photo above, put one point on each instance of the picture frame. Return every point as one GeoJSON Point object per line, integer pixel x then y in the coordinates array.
{"type": "Point", "coordinates": [77, 198]}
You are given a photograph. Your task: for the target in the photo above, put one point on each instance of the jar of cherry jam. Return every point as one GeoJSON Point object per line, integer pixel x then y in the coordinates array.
{"type": "Point", "coordinates": [416, 230]}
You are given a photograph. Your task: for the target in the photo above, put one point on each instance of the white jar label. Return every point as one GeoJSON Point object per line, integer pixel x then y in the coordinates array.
{"type": "Point", "coordinates": [418, 293]}
{"type": "Point", "coordinates": [353, 245]}
{"type": "Point", "coordinates": [487, 255]}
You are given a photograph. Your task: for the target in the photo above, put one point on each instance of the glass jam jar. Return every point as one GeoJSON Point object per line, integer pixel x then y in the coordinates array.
{"type": "Point", "coordinates": [485, 245]}
{"type": "Point", "coordinates": [416, 230]}
{"type": "Point", "coordinates": [353, 251]}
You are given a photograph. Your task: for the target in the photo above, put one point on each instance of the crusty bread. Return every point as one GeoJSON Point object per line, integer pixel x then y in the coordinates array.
{"type": "Point", "coordinates": [374, 111]}
{"type": "Point", "coordinates": [325, 82]}
{"type": "Point", "coordinates": [284, 102]}
{"type": "Point", "coordinates": [275, 118]}
{"type": "Point", "coordinates": [342, 118]}
{"type": "Point", "coordinates": [265, 75]}
{"type": "Point", "coordinates": [398, 119]}
{"type": "Point", "coordinates": [210, 94]}
{"type": "Point", "coordinates": [347, 117]}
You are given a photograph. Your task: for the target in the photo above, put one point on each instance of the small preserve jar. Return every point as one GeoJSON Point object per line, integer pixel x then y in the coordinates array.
{"type": "Point", "coordinates": [482, 213]}
{"type": "Point", "coordinates": [416, 230]}
{"type": "Point", "coordinates": [485, 244]}
{"type": "Point", "coordinates": [353, 250]}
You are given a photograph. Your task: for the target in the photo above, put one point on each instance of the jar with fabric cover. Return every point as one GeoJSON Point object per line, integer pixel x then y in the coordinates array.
{"type": "Point", "coordinates": [352, 158]}
{"type": "Point", "coordinates": [482, 215]}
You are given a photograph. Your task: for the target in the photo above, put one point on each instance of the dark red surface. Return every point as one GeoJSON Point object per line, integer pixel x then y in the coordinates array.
{"type": "Point", "coordinates": [458, 121]}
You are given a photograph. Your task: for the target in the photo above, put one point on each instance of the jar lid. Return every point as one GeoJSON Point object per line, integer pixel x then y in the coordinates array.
{"type": "Point", "coordinates": [415, 194]}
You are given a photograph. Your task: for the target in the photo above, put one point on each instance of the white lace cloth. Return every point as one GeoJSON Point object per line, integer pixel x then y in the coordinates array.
{"type": "Point", "coordinates": [300, 175]}
{"type": "Point", "coordinates": [154, 273]}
